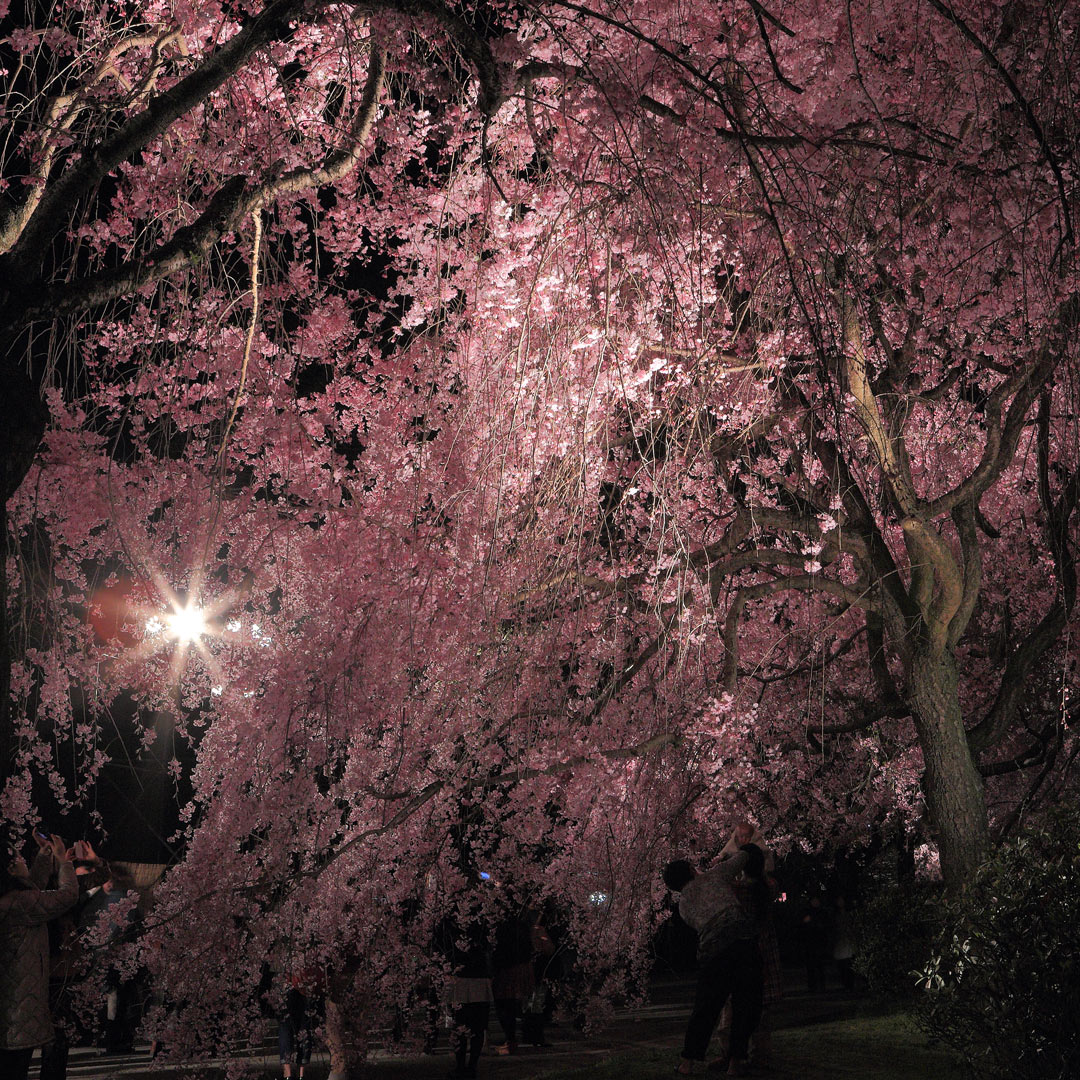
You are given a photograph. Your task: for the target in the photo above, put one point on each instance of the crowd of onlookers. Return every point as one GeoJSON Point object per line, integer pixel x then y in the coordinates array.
{"type": "Point", "coordinates": [507, 973]}
{"type": "Point", "coordinates": [59, 921]}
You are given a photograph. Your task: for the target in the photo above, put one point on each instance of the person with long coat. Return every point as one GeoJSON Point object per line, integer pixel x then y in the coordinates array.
{"type": "Point", "coordinates": [26, 907]}
{"type": "Point", "coordinates": [758, 902]}
{"type": "Point", "coordinates": [513, 978]}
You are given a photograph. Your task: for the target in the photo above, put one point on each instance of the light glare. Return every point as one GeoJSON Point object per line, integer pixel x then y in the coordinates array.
{"type": "Point", "coordinates": [188, 624]}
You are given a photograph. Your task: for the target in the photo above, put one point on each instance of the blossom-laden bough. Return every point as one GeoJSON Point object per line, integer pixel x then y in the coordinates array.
{"type": "Point", "coordinates": [577, 424]}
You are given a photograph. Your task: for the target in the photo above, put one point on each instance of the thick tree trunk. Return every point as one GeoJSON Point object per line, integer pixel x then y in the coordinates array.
{"type": "Point", "coordinates": [952, 786]}
{"type": "Point", "coordinates": [22, 425]}
{"type": "Point", "coordinates": [346, 1028]}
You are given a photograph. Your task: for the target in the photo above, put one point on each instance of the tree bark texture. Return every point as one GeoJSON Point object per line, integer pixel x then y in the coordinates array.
{"type": "Point", "coordinates": [952, 786]}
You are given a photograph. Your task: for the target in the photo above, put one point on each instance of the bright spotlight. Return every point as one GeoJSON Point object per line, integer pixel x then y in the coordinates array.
{"type": "Point", "coordinates": [187, 624]}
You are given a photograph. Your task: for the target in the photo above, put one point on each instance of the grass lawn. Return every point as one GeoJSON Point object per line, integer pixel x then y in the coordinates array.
{"type": "Point", "coordinates": [874, 1047]}
{"type": "Point", "coordinates": [888, 1047]}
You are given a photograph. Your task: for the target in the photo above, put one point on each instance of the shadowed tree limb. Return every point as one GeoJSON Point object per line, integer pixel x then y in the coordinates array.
{"type": "Point", "coordinates": [964, 519]}
{"type": "Point", "coordinates": [1024, 386]}
{"type": "Point", "coordinates": [796, 583]}
{"type": "Point", "coordinates": [992, 728]}
{"type": "Point", "coordinates": [60, 199]}
{"type": "Point", "coordinates": [234, 201]}
{"type": "Point", "coordinates": [1026, 108]}
{"type": "Point", "coordinates": [62, 112]}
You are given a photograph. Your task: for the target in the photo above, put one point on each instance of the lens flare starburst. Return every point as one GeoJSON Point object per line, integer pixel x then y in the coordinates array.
{"type": "Point", "coordinates": [184, 625]}
{"type": "Point", "coordinates": [188, 624]}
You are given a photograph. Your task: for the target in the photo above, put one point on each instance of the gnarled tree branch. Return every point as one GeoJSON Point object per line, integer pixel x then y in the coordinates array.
{"type": "Point", "coordinates": [59, 200]}
{"type": "Point", "coordinates": [235, 200]}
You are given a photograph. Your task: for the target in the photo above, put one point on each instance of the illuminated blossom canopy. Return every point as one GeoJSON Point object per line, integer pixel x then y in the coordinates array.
{"type": "Point", "coordinates": [520, 437]}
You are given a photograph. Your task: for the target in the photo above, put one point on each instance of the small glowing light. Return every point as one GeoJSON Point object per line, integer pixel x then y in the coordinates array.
{"type": "Point", "coordinates": [598, 898]}
{"type": "Point", "coordinates": [233, 625]}
{"type": "Point", "coordinates": [215, 691]}
{"type": "Point", "coordinates": [484, 875]}
{"type": "Point", "coordinates": [188, 624]}
{"type": "Point", "coordinates": [154, 625]}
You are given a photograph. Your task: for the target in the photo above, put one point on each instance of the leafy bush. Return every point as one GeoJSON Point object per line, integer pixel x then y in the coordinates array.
{"type": "Point", "coordinates": [1003, 984]}
{"type": "Point", "coordinates": [896, 931]}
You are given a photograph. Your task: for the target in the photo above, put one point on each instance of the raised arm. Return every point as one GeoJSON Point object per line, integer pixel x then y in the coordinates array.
{"type": "Point", "coordinates": [729, 868]}
{"type": "Point", "coordinates": [32, 907]}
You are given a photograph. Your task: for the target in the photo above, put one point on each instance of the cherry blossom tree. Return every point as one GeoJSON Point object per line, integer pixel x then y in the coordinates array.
{"type": "Point", "coordinates": [527, 435]}
{"type": "Point", "coordinates": [871, 208]}
{"type": "Point", "coordinates": [239, 419]}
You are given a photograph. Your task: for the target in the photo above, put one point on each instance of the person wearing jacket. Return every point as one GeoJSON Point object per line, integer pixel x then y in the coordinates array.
{"type": "Point", "coordinates": [26, 907]}
{"type": "Point", "coordinates": [729, 963]}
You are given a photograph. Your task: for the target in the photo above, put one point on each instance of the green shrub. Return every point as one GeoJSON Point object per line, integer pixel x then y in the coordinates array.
{"type": "Point", "coordinates": [1003, 984]}
{"type": "Point", "coordinates": [895, 932]}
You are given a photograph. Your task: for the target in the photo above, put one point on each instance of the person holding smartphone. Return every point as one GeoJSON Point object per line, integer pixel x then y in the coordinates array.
{"type": "Point", "coordinates": [26, 907]}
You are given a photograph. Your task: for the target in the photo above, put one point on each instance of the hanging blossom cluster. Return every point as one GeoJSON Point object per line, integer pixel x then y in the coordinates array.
{"type": "Point", "coordinates": [522, 446]}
